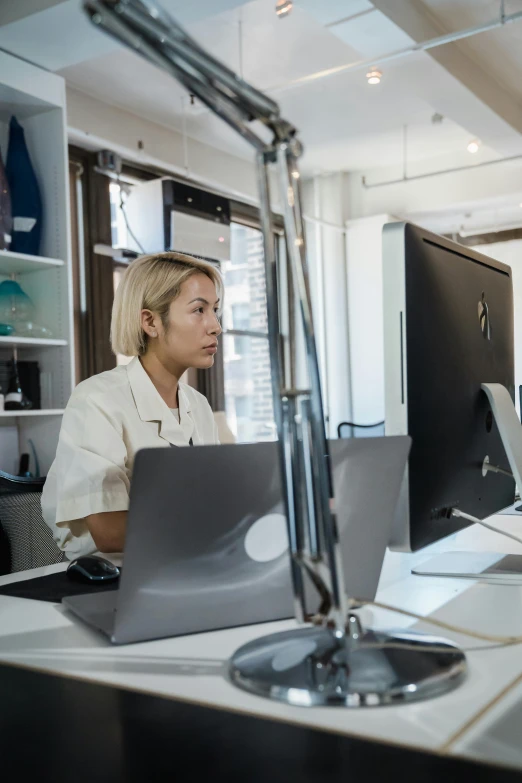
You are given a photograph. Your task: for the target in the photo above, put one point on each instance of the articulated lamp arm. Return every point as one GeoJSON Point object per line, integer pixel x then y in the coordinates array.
{"type": "Point", "coordinates": [151, 32]}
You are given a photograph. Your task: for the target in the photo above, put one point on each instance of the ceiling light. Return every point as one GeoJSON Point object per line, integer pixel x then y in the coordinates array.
{"type": "Point", "coordinates": [283, 7]}
{"type": "Point", "coordinates": [473, 146]}
{"type": "Point", "coordinates": [373, 76]}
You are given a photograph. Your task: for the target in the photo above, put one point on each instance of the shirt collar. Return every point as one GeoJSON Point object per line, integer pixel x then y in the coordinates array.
{"type": "Point", "coordinates": [151, 406]}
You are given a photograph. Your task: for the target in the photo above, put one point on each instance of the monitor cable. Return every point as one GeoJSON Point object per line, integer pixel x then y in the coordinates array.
{"type": "Point", "coordinates": [126, 219]}
{"type": "Point", "coordinates": [495, 641]}
{"type": "Point", "coordinates": [457, 513]}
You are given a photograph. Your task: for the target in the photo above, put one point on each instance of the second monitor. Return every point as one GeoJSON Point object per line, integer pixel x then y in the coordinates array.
{"type": "Point", "coordinates": [448, 328]}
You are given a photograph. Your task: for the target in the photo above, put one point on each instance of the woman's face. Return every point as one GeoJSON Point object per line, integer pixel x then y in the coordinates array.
{"type": "Point", "coordinates": [191, 337]}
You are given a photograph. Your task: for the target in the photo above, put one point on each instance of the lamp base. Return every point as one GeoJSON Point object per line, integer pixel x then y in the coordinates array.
{"type": "Point", "coordinates": [309, 667]}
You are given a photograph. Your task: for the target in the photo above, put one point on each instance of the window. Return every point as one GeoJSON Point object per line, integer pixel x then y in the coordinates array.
{"type": "Point", "coordinates": [118, 225]}
{"type": "Point", "coordinates": [248, 390]}
{"type": "Point", "coordinates": [120, 239]}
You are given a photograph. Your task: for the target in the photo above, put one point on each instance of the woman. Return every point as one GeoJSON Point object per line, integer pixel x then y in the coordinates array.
{"type": "Point", "coordinates": [165, 315]}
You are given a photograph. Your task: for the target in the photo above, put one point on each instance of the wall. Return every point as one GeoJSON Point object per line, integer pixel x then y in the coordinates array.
{"type": "Point", "coordinates": [96, 125]}
{"type": "Point", "coordinates": [346, 282]}
{"type": "Point", "coordinates": [343, 199]}
{"type": "Point", "coordinates": [511, 253]}
{"type": "Point", "coordinates": [324, 198]}
{"type": "Point", "coordinates": [431, 193]}
{"type": "Point", "coordinates": [365, 313]}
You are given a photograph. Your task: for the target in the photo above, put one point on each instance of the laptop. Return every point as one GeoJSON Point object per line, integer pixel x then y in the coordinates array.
{"type": "Point", "coordinates": [206, 545]}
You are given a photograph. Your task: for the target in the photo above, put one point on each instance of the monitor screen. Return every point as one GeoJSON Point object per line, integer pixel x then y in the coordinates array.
{"type": "Point", "coordinates": [448, 318]}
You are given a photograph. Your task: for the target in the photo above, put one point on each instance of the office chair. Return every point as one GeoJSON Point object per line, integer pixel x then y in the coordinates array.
{"type": "Point", "coordinates": [347, 429]}
{"type": "Point", "coordinates": [25, 539]}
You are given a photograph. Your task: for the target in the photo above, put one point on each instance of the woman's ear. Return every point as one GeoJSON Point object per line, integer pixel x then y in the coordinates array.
{"type": "Point", "coordinates": [149, 323]}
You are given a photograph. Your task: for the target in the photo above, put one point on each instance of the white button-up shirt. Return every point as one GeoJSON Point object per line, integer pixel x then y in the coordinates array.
{"type": "Point", "coordinates": [110, 417]}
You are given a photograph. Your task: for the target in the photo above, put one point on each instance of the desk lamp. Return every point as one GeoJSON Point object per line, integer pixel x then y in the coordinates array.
{"type": "Point", "coordinates": [329, 659]}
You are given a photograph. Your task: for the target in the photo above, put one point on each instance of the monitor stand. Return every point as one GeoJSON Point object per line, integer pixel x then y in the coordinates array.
{"type": "Point", "coordinates": [489, 566]}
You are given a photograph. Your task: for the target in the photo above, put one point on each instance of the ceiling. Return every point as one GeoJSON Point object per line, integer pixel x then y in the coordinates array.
{"type": "Point", "coordinates": [499, 52]}
{"type": "Point", "coordinates": [344, 123]}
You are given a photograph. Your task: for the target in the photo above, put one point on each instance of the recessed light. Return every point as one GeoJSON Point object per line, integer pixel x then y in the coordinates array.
{"type": "Point", "coordinates": [221, 239]}
{"type": "Point", "coordinates": [473, 146]}
{"type": "Point", "coordinates": [283, 7]}
{"type": "Point", "coordinates": [374, 76]}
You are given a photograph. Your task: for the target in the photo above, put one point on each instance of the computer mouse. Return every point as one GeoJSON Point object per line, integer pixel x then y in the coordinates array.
{"type": "Point", "coordinates": [91, 569]}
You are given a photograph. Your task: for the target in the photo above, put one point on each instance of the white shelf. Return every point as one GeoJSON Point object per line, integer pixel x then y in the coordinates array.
{"type": "Point", "coordinates": [30, 342]}
{"type": "Point", "coordinates": [20, 414]}
{"type": "Point", "coordinates": [20, 263]}
{"type": "Point", "coordinates": [37, 98]}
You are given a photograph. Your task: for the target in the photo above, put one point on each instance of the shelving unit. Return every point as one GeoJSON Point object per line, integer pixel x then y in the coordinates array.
{"type": "Point", "coordinates": [37, 98]}
{"type": "Point", "coordinates": [25, 414]}
{"type": "Point", "coordinates": [22, 263]}
{"type": "Point", "coordinates": [31, 342]}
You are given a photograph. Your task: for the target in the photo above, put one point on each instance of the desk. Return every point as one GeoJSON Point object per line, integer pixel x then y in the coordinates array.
{"type": "Point", "coordinates": [191, 669]}
{"type": "Point", "coordinates": [58, 730]}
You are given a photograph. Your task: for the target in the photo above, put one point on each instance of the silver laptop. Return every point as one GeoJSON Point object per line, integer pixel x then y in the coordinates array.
{"type": "Point", "coordinates": [206, 544]}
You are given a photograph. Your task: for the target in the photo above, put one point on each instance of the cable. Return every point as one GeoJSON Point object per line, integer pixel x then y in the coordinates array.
{"type": "Point", "coordinates": [125, 218]}
{"type": "Point", "coordinates": [456, 513]}
{"type": "Point", "coordinates": [496, 469]}
{"type": "Point", "coordinates": [432, 648]}
{"type": "Point", "coordinates": [35, 457]}
{"type": "Point", "coordinates": [483, 637]}
{"type": "Point", "coordinates": [497, 641]}
{"type": "Point", "coordinates": [487, 467]}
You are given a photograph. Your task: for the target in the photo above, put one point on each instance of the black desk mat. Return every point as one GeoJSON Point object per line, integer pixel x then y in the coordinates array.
{"type": "Point", "coordinates": [59, 730]}
{"type": "Point", "coordinates": [53, 588]}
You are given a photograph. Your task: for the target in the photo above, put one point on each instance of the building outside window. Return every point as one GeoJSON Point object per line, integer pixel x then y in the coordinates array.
{"type": "Point", "coordinates": [248, 391]}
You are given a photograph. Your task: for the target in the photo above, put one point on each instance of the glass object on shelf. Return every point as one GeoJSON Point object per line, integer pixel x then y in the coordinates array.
{"type": "Point", "coordinates": [15, 399]}
{"type": "Point", "coordinates": [17, 312]}
{"type": "Point", "coordinates": [26, 200]}
{"type": "Point", "coordinates": [6, 215]}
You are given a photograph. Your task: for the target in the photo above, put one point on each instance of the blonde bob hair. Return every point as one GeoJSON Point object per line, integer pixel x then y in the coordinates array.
{"type": "Point", "coordinates": [151, 283]}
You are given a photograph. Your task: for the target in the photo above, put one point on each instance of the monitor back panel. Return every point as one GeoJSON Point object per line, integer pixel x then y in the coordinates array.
{"type": "Point", "coordinates": [446, 354]}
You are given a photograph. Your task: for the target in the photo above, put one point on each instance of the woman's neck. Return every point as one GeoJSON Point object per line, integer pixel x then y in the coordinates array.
{"type": "Point", "coordinates": [164, 377]}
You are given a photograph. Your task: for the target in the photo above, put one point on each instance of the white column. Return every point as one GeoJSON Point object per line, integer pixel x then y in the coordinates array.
{"type": "Point", "coordinates": [365, 298]}
{"type": "Point", "coordinates": [325, 201]}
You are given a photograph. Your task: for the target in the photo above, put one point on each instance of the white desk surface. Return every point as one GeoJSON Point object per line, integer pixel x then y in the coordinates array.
{"type": "Point", "coordinates": [43, 636]}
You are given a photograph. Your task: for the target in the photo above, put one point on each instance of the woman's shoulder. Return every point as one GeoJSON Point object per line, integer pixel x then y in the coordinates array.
{"type": "Point", "coordinates": [104, 384]}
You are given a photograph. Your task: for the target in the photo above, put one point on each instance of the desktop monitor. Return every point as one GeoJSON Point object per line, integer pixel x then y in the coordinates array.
{"type": "Point", "coordinates": [448, 328]}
